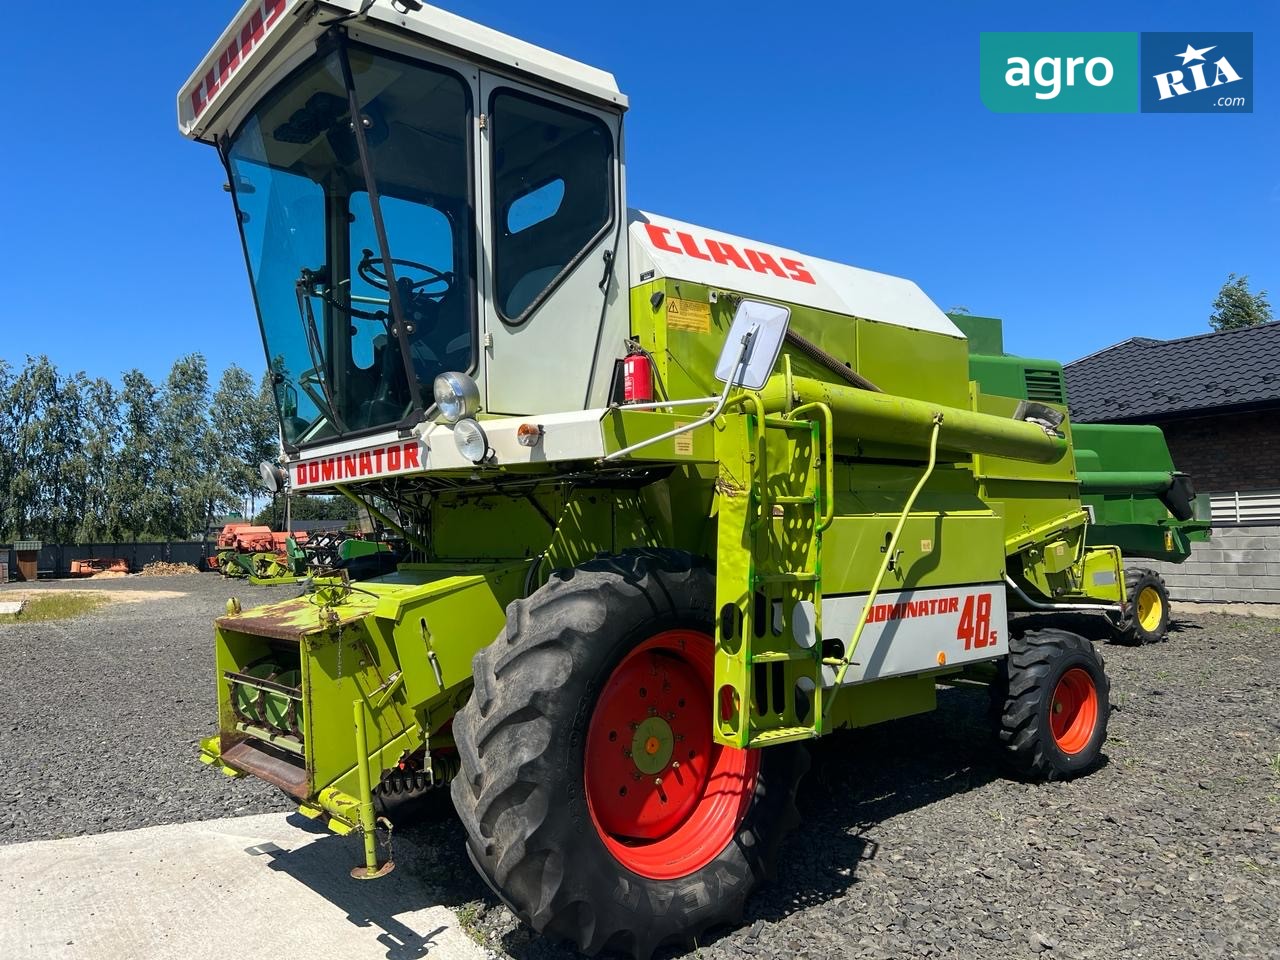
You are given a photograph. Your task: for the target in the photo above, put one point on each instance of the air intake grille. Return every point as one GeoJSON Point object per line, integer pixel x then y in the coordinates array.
{"type": "Point", "coordinates": [1045, 385]}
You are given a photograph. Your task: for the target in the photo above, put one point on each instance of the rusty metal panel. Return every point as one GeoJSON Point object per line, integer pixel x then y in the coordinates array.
{"type": "Point", "coordinates": [274, 766]}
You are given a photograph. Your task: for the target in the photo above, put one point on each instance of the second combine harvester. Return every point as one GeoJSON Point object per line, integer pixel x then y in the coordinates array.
{"type": "Point", "coordinates": [675, 501]}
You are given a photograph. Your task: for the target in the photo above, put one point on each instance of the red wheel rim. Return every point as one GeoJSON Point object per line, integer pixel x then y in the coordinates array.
{"type": "Point", "coordinates": [665, 798]}
{"type": "Point", "coordinates": [1073, 712]}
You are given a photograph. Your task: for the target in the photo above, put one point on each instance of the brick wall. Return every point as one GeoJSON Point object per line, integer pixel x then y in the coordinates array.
{"type": "Point", "coordinates": [1239, 565]}
{"type": "Point", "coordinates": [1227, 453]}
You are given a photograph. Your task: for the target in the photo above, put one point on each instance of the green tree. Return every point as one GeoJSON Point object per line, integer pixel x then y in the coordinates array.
{"type": "Point", "coordinates": [1237, 307]}
{"type": "Point", "coordinates": [60, 434]}
{"type": "Point", "coordinates": [33, 393]}
{"type": "Point", "coordinates": [131, 496]}
{"type": "Point", "coordinates": [8, 445]}
{"type": "Point", "coordinates": [266, 419]}
{"type": "Point", "coordinates": [63, 466]}
{"type": "Point", "coordinates": [187, 485]}
{"type": "Point", "coordinates": [98, 456]}
{"type": "Point", "coordinates": [243, 434]}
{"type": "Point", "coordinates": [306, 508]}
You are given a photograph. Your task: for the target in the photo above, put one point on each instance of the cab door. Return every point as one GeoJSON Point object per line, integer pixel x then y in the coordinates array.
{"type": "Point", "coordinates": [554, 227]}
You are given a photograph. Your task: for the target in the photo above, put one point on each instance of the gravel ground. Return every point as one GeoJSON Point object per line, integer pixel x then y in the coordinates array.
{"type": "Point", "coordinates": [913, 844]}
{"type": "Point", "coordinates": [100, 716]}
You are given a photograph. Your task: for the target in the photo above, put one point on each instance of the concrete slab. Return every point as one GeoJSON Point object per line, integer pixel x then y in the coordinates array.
{"type": "Point", "coordinates": [256, 888]}
{"type": "Point", "coordinates": [1268, 610]}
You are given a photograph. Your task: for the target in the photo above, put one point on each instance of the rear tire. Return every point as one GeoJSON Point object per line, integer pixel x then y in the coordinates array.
{"type": "Point", "coordinates": [542, 744]}
{"type": "Point", "coordinates": [1146, 609]}
{"type": "Point", "coordinates": [1056, 704]}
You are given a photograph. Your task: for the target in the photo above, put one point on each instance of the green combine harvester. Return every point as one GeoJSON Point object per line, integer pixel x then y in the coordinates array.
{"type": "Point", "coordinates": [674, 502]}
{"type": "Point", "coordinates": [1135, 497]}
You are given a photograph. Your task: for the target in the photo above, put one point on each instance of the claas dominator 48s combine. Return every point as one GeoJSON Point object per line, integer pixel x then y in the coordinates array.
{"type": "Point", "coordinates": [675, 501]}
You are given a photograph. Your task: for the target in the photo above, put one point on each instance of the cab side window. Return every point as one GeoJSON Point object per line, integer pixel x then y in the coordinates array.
{"type": "Point", "coordinates": [553, 195]}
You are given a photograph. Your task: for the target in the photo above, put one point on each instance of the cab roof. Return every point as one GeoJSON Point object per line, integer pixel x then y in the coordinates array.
{"type": "Point", "coordinates": [283, 26]}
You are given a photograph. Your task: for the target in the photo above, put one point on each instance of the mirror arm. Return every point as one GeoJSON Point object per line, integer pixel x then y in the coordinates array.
{"type": "Point", "coordinates": [744, 352]}
{"type": "Point", "coordinates": [659, 404]}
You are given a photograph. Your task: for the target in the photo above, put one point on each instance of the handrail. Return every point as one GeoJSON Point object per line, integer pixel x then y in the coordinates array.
{"type": "Point", "coordinates": [827, 429]}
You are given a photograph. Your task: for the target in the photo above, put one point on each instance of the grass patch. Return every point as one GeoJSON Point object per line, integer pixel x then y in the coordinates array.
{"type": "Point", "coordinates": [469, 920]}
{"type": "Point", "coordinates": [55, 605]}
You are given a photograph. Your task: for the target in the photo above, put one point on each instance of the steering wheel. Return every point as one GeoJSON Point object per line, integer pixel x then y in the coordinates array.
{"type": "Point", "coordinates": [373, 272]}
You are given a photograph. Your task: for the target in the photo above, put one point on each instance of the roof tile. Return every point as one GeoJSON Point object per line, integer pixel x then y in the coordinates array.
{"type": "Point", "coordinates": [1144, 378]}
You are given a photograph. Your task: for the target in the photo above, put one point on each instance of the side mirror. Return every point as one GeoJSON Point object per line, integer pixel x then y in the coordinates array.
{"type": "Point", "coordinates": [755, 339]}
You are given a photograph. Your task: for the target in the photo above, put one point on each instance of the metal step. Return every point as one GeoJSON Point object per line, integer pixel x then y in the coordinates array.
{"type": "Point", "coordinates": [787, 576]}
{"type": "Point", "coordinates": [773, 656]}
{"type": "Point", "coordinates": [767, 738]}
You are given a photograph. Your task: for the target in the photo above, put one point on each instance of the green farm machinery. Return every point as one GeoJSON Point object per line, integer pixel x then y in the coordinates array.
{"type": "Point", "coordinates": [337, 549]}
{"type": "Point", "coordinates": [673, 502]}
{"type": "Point", "coordinates": [1136, 498]}
{"type": "Point", "coordinates": [260, 555]}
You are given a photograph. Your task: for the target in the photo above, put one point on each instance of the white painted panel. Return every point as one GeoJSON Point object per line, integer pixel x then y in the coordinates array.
{"type": "Point", "coordinates": [561, 357]}
{"type": "Point", "coordinates": [917, 630]}
{"type": "Point", "coordinates": [670, 248]}
{"type": "Point", "coordinates": [576, 435]}
{"type": "Point", "coordinates": [253, 32]}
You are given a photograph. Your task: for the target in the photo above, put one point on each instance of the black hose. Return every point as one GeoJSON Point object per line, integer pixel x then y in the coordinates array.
{"type": "Point", "coordinates": [828, 362]}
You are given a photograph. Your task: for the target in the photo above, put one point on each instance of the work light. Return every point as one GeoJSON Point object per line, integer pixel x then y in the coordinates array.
{"type": "Point", "coordinates": [471, 441]}
{"type": "Point", "coordinates": [457, 396]}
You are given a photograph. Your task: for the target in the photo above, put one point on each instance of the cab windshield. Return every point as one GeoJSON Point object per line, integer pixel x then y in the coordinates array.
{"type": "Point", "coordinates": [341, 360]}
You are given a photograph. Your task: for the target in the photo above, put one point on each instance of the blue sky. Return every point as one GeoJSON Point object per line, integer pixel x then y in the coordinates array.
{"type": "Point", "coordinates": [848, 131]}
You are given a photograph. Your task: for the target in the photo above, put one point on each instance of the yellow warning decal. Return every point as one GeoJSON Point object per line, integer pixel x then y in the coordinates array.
{"type": "Point", "coordinates": [691, 315]}
{"type": "Point", "coordinates": [684, 442]}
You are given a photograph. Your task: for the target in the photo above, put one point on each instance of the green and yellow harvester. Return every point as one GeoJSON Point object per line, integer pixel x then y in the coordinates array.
{"type": "Point", "coordinates": [674, 501]}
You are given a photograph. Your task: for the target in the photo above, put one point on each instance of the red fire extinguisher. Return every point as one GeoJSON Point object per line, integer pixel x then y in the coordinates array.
{"type": "Point", "coordinates": [637, 379]}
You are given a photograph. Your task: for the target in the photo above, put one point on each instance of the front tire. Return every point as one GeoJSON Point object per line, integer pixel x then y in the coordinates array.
{"type": "Point", "coordinates": [1052, 720]}
{"type": "Point", "coordinates": [1146, 610]}
{"type": "Point", "coordinates": [595, 803]}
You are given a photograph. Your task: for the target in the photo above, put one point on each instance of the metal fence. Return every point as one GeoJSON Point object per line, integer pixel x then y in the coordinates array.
{"type": "Point", "coordinates": [55, 559]}
{"type": "Point", "coordinates": [1245, 507]}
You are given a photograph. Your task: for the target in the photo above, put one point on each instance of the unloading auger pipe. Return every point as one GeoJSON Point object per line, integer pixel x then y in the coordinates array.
{"type": "Point", "coordinates": [1125, 481]}
{"type": "Point", "coordinates": [886, 418]}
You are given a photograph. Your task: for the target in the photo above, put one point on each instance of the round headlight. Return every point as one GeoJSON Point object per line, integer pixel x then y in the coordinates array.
{"type": "Point", "coordinates": [457, 396]}
{"type": "Point", "coordinates": [471, 441]}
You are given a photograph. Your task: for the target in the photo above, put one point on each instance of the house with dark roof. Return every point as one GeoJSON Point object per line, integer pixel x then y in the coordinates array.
{"type": "Point", "coordinates": [1216, 396]}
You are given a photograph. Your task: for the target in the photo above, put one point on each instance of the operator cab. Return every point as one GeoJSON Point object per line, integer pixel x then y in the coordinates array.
{"type": "Point", "coordinates": [416, 195]}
